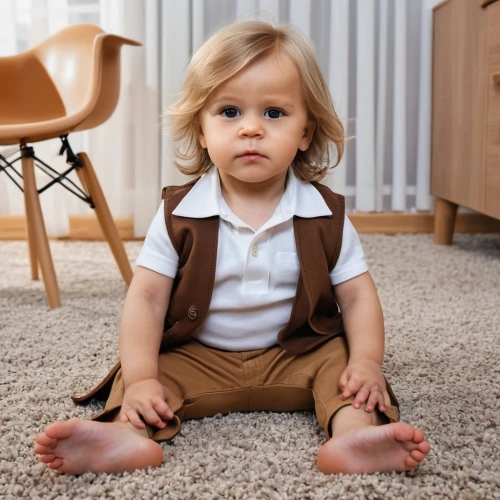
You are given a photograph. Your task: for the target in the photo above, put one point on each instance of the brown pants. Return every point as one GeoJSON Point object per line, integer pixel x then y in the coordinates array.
{"type": "Point", "coordinates": [201, 381]}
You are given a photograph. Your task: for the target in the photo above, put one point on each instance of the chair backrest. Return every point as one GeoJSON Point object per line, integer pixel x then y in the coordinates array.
{"type": "Point", "coordinates": [26, 91]}
{"type": "Point", "coordinates": [106, 76]}
{"type": "Point", "coordinates": [70, 81]}
{"type": "Point", "coordinates": [68, 59]}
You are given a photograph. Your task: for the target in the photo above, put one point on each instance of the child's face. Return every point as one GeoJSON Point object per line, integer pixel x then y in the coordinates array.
{"type": "Point", "coordinates": [260, 110]}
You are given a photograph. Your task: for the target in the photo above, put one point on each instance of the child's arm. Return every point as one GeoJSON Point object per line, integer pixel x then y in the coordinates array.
{"type": "Point", "coordinates": [141, 329]}
{"type": "Point", "coordinates": [141, 324]}
{"type": "Point", "coordinates": [364, 327]}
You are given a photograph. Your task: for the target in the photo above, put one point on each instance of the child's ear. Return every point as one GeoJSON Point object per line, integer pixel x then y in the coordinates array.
{"type": "Point", "coordinates": [307, 136]}
{"type": "Point", "coordinates": [201, 137]}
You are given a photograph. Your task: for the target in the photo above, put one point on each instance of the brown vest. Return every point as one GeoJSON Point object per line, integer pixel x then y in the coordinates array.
{"type": "Point", "coordinates": [315, 316]}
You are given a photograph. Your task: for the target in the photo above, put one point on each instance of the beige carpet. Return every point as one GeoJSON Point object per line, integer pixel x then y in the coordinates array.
{"type": "Point", "coordinates": [442, 311]}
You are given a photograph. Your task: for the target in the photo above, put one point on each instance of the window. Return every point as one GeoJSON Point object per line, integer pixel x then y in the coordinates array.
{"type": "Point", "coordinates": [27, 22]}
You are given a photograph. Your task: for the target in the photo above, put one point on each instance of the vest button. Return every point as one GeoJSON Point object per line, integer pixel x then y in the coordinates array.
{"type": "Point", "coordinates": [192, 313]}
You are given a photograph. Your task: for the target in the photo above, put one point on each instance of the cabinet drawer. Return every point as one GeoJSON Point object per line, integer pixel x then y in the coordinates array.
{"type": "Point", "coordinates": [492, 201]}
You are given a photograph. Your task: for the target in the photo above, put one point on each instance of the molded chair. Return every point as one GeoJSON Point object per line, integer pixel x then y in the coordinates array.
{"type": "Point", "coordinates": [69, 82]}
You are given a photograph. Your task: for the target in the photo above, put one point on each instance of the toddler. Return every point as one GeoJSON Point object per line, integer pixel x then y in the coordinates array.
{"type": "Point", "coordinates": [251, 291]}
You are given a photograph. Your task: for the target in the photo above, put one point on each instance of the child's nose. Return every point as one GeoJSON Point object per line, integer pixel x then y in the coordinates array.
{"type": "Point", "coordinates": [251, 127]}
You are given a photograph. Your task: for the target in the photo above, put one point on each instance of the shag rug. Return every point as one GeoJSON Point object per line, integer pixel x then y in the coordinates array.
{"type": "Point", "coordinates": [442, 315]}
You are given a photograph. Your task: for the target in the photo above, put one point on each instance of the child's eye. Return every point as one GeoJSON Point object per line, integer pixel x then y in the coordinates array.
{"type": "Point", "coordinates": [230, 112]}
{"type": "Point", "coordinates": [274, 113]}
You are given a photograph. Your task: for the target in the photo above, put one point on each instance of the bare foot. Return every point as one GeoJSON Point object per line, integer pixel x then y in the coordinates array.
{"type": "Point", "coordinates": [78, 446]}
{"type": "Point", "coordinates": [374, 448]}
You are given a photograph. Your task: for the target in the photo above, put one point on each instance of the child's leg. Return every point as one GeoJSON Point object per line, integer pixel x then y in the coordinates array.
{"type": "Point", "coordinates": [77, 446]}
{"type": "Point", "coordinates": [364, 443]}
{"type": "Point", "coordinates": [361, 442]}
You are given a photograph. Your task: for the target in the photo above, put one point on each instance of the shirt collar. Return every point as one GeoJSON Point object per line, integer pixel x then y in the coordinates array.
{"type": "Point", "coordinates": [205, 199]}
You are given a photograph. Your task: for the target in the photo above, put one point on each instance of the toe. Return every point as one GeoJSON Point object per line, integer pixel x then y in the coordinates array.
{"type": "Point", "coordinates": [410, 462]}
{"type": "Point", "coordinates": [417, 455]}
{"type": "Point", "coordinates": [56, 463]}
{"type": "Point", "coordinates": [419, 436]}
{"type": "Point", "coordinates": [59, 430]}
{"type": "Point", "coordinates": [403, 432]}
{"type": "Point", "coordinates": [424, 447]}
{"type": "Point", "coordinates": [44, 440]}
{"type": "Point", "coordinates": [47, 459]}
{"type": "Point", "coordinates": [41, 450]}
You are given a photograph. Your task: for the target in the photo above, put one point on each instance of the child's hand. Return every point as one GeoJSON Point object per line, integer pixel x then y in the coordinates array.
{"type": "Point", "coordinates": [146, 398]}
{"type": "Point", "coordinates": [364, 378]}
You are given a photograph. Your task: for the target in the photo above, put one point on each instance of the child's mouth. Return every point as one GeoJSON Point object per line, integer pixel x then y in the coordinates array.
{"type": "Point", "coordinates": [252, 156]}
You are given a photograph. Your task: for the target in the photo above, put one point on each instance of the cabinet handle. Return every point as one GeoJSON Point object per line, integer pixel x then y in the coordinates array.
{"type": "Point", "coordinates": [496, 78]}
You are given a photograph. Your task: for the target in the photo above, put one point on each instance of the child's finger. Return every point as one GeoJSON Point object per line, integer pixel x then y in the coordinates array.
{"type": "Point", "coordinates": [373, 400]}
{"type": "Point", "coordinates": [361, 397]}
{"type": "Point", "coordinates": [344, 378]}
{"type": "Point", "coordinates": [162, 408]}
{"type": "Point", "coordinates": [381, 403]}
{"type": "Point", "coordinates": [351, 388]}
{"type": "Point", "coordinates": [134, 418]}
{"type": "Point", "coordinates": [152, 418]}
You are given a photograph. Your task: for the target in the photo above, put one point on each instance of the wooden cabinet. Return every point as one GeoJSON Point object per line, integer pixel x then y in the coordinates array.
{"type": "Point", "coordinates": [465, 152]}
{"type": "Point", "coordinates": [492, 202]}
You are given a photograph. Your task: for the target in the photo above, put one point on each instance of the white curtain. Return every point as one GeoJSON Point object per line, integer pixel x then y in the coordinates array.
{"type": "Point", "coordinates": [375, 56]}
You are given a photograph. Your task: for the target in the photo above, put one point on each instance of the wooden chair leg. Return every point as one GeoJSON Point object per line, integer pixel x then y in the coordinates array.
{"type": "Point", "coordinates": [30, 234]}
{"type": "Point", "coordinates": [90, 182]}
{"type": "Point", "coordinates": [37, 233]}
{"type": "Point", "coordinates": [445, 215]}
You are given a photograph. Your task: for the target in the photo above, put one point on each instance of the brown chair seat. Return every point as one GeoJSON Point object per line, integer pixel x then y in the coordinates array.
{"type": "Point", "coordinates": [69, 82]}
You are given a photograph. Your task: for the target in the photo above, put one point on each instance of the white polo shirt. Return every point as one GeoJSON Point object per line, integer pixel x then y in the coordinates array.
{"type": "Point", "coordinates": [257, 271]}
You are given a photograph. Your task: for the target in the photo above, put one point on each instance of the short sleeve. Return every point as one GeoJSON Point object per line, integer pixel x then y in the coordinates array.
{"type": "Point", "coordinates": [157, 252]}
{"type": "Point", "coordinates": [351, 262]}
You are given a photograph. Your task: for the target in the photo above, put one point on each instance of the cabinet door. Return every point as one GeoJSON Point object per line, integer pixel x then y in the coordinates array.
{"type": "Point", "coordinates": [459, 95]}
{"type": "Point", "coordinates": [492, 206]}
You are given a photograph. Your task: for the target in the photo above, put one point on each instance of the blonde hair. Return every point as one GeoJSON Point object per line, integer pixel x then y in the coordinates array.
{"type": "Point", "coordinates": [228, 51]}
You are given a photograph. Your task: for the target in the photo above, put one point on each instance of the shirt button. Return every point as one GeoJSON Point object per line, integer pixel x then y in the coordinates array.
{"type": "Point", "coordinates": [255, 251]}
{"type": "Point", "coordinates": [192, 313]}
